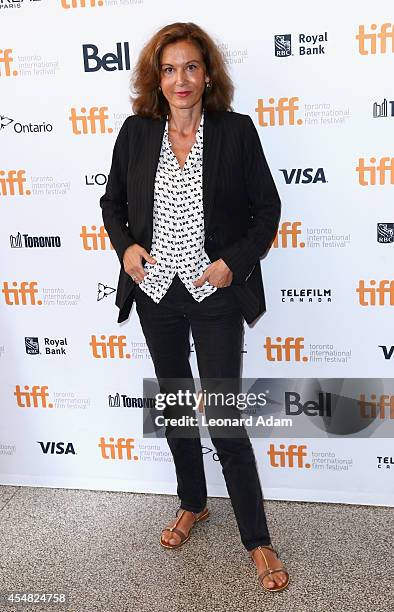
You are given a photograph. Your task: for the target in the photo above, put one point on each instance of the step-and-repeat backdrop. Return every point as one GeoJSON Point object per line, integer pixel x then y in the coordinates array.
{"type": "Point", "coordinates": [317, 86]}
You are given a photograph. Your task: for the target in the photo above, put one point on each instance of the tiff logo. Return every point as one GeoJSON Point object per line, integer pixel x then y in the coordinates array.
{"type": "Point", "coordinates": [113, 348]}
{"type": "Point", "coordinates": [289, 230]}
{"type": "Point", "coordinates": [291, 456]}
{"type": "Point", "coordinates": [11, 183]}
{"type": "Point", "coordinates": [94, 240]}
{"type": "Point", "coordinates": [114, 450]}
{"type": "Point", "coordinates": [90, 121]}
{"type": "Point", "coordinates": [382, 171]}
{"type": "Point", "coordinates": [21, 295]}
{"type": "Point", "coordinates": [284, 113]}
{"type": "Point", "coordinates": [381, 295]}
{"type": "Point", "coordinates": [6, 63]}
{"type": "Point", "coordinates": [288, 349]}
{"type": "Point", "coordinates": [34, 398]}
{"type": "Point", "coordinates": [376, 42]}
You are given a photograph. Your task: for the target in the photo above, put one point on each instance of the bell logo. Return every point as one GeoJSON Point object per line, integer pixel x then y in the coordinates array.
{"type": "Point", "coordinates": [288, 229]}
{"type": "Point", "coordinates": [68, 4]}
{"type": "Point", "coordinates": [375, 172]}
{"type": "Point", "coordinates": [6, 63]}
{"type": "Point", "coordinates": [376, 42]}
{"type": "Point", "coordinates": [114, 450]}
{"type": "Point", "coordinates": [293, 457]}
{"type": "Point", "coordinates": [113, 348]}
{"type": "Point", "coordinates": [11, 183]}
{"type": "Point", "coordinates": [276, 115]}
{"type": "Point", "coordinates": [288, 349]}
{"type": "Point", "coordinates": [382, 407]}
{"type": "Point", "coordinates": [89, 119]}
{"type": "Point", "coordinates": [23, 294]}
{"type": "Point", "coordinates": [382, 295]}
{"type": "Point", "coordinates": [109, 61]}
{"type": "Point", "coordinates": [95, 240]}
{"type": "Point", "coordinates": [36, 398]}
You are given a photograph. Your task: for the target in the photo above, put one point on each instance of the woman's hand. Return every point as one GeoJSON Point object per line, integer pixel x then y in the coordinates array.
{"type": "Point", "coordinates": [218, 274]}
{"type": "Point", "coordinates": [132, 262]}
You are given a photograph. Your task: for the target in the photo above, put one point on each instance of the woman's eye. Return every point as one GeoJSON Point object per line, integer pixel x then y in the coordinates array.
{"type": "Point", "coordinates": [168, 68]}
{"type": "Point", "coordinates": [192, 66]}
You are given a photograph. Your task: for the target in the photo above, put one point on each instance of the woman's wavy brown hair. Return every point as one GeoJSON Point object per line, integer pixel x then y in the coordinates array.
{"type": "Point", "coordinates": [145, 79]}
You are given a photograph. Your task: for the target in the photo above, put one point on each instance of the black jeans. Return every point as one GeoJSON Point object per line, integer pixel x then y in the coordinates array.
{"type": "Point", "coordinates": [217, 328]}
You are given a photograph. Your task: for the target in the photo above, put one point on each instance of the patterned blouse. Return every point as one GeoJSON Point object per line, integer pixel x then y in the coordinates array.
{"type": "Point", "coordinates": [178, 223]}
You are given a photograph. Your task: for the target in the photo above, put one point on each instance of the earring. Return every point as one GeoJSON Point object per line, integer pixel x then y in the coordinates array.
{"type": "Point", "coordinates": [209, 84]}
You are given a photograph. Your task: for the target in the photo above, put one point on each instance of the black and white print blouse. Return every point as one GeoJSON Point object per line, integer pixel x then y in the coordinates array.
{"type": "Point", "coordinates": [178, 223]}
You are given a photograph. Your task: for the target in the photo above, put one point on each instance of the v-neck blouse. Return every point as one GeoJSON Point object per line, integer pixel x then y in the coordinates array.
{"type": "Point", "coordinates": [178, 223]}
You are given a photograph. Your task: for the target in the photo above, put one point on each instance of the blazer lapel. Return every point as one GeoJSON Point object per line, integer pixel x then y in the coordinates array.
{"type": "Point", "coordinates": [211, 153]}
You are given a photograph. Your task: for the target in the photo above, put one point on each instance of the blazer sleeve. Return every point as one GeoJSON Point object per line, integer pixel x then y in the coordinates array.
{"type": "Point", "coordinates": [114, 202]}
{"type": "Point", "coordinates": [242, 256]}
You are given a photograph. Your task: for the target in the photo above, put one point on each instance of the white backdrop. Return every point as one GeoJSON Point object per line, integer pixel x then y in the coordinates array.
{"type": "Point", "coordinates": [69, 391]}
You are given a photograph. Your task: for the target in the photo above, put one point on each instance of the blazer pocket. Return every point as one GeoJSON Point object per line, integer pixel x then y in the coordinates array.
{"type": "Point", "coordinates": [125, 286]}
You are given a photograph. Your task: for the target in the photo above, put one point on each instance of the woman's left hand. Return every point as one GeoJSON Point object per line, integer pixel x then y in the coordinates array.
{"type": "Point", "coordinates": [218, 274]}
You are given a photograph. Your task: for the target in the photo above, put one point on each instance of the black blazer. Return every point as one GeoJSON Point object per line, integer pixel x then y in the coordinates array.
{"type": "Point", "coordinates": [240, 200]}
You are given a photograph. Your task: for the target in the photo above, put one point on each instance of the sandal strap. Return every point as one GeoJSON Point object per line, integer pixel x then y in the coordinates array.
{"type": "Point", "coordinates": [272, 571]}
{"type": "Point", "coordinates": [177, 531]}
{"type": "Point", "coordinates": [261, 552]}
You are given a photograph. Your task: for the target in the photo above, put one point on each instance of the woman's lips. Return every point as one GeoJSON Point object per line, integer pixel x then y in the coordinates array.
{"type": "Point", "coordinates": [183, 94]}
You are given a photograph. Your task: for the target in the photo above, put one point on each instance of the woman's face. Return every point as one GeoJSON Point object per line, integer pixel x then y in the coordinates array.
{"type": "Point", "coordinates": [182, 70]}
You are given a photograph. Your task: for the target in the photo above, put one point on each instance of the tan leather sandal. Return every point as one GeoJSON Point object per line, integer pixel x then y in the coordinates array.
{"type": "Point", "coordinates": [184, 538]}
{"type": "Point", "coordinates": [268, 570]}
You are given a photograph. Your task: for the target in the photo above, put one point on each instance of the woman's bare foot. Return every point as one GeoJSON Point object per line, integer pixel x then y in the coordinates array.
{"type": "Point", "coordinates": [278, 579]}
{"type": "Point", "coordinates": [184, 525]}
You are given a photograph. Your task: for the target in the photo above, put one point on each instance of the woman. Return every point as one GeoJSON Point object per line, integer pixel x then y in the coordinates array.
{"type": "Point", "coordinates": [190, 207]}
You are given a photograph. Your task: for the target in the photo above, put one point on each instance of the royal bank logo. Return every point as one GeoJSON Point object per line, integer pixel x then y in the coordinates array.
{"type": "Point", "coordinates": [282, 45]}
{"type": "Point", "coordinates": [385, 233]}
{"type": "Point", "coordinates": [308, 44]}
{"type": "Point", "coordinates": [383, 109]}
{"type": "Point", "coordinates": [20, 241]}
{"type": "Point", "coordinates": [104, 291]}
{"type": "Point", "coordinates": [32, 345]}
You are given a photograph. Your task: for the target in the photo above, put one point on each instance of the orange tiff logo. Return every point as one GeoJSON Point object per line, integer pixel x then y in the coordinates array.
{"type": "Point", "coordinates": [376, 42]}
{"type": "Point", "coordinates": [34, 398]}
{"type": "Point", "coordinates": [12, 183]}
{"type": "Point", "coordinates": [95, 240]}
{"type": "Point", "coordinates": [376, 295]}
{"type": "Point", "coordinates": [68, 4]}
{"type": "Point", "coordinates": [113, 348]}
{"type": "Point", "coordinates": [287, 236]}
{"type": "Point", "coordinates": [6, 63]}
{"type": "Point", "coordinates": [114, 449]}
{"type": "Point", "coordinates": [381, 407]}
{"type": "Point", "coordinates": [291, 456]}
{"type": "Point", "coordinates": [284, 349]}
{"type": "Point", "coordinates": [21, 294]}
{"type": "Point", "coordinates": [376, 172]}
{"type": "Point", "coordinates": [88, 120]}
{"type": "Point", "coordinates": [283, 113]}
